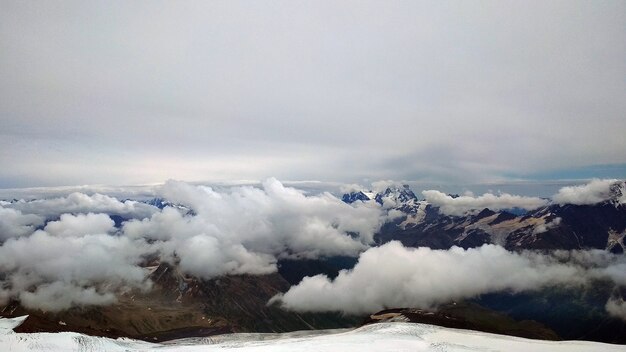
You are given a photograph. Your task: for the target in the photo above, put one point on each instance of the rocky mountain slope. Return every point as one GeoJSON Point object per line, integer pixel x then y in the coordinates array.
{"type": "Point", "coordinates": [464, 315]}
{"type": "Point", "coordinates": [554, 226]}
{"type": "Point", "coordinates": [181, 306]}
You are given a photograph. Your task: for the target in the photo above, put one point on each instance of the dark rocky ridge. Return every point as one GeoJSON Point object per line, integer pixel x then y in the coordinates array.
{"type": "Point", "coordinates": [468, 316]}
{"type": "Point", "coordinates": [555, 226]}
{"type": "Point", "coordinates": [180, 306]}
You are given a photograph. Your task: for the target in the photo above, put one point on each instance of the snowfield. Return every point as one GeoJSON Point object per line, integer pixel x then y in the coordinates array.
{"type": "Point", "coordinates": [375, 337]}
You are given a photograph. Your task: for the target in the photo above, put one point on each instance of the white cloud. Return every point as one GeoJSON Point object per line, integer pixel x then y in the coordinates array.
{"type": "Point", "coordinates": [13, 223]}
{"type": "Point", "coordinates": [120, 192]}
{"type": "Point", "coordinates": [83, 203]}
{"type": "Point", "coordinates": [616, 307]}
{"type": "Point", "coordinates": [251, 227]}
{"type": "Point", "coordinates": [83, 259]}
{"type": "Point", "coordinates": [463, 204]}
{"type": "Point", "coordinates": [381, 185]}
{"type": "Point", "coordinates": [57, 296]}
{"type": "Point", "coordinates": [352, 187]}
{"type": "Point", "coordinates": [204, 256]}
{"type": "Point", "coordinates": [55, 272]}
{"type": "Point", "coordinates": [279, 220]}
{"type": "Point", "coordinates": [595, 191]}
{"type": "Point", "coordinates": [80, 225]}
{"type": "Point", "coordinates": [395, 276]}
{"type": "Point", "coordinates": [544, 227]}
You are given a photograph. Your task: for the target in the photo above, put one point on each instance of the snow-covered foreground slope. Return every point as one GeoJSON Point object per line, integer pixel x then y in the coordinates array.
{"type": "Point", "coordinates": [376, 337]}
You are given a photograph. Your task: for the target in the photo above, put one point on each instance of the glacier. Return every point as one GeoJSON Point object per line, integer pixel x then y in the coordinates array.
{"type": "Point", "coordinates": [396, 336]}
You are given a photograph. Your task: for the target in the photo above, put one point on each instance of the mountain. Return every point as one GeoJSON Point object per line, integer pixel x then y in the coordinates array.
{"type": "Point", "coordinates": [397, 198]}
{"type": "Point", "coordinates": [392, 196]}
{"type": "Point", "coordinates": [466, 315]}
{"type": "Point", "coordinates": [354, 196]}
{"type": "Point", "coordinates": [554, 226]}
{"type": "Point", "coordinates": [181, 306]}
{"type": "Point", "coordinates": [574, 313]}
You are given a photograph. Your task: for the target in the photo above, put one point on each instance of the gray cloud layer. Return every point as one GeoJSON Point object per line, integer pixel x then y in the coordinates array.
{"type": "Point", "coordinates": [394, 276]}
{"type": "Point", "coordinates": [103, 92]}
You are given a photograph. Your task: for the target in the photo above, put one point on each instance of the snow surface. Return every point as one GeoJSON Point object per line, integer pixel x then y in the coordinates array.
{"type": "Point", "coordinates": [375, 337]}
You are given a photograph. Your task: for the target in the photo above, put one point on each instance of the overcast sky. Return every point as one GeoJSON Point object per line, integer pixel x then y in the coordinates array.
{"type": "Point", "coordinates": [349, 91]}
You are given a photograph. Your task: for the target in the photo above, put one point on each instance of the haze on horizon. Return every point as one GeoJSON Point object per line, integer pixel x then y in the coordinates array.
{"type": "Point", "coordinates": [354, 91]}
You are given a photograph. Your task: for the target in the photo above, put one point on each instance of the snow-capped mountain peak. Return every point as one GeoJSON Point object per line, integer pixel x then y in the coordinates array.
{"type": "Point", "coordinates": [397, 195]}
{"type": "Point", "coordinates": [394, 197]}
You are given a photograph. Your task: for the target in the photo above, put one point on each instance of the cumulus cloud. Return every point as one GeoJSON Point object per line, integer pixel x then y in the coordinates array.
{"type": "Point", "coordinates": [351, 187]}
{"type": "Point", "coordinates": [82, 203]}
{"type": "Point", "coordinates": [595, 191]}
{"type": "Point", "coordinates": [58, 295]}
{"type": "Point", "coordinates": [395, 276]}
{"type": "Point", "coordinates": [381, 185]}
{"type": "Point", "coordinates": [460, 205]}
{"type": "Point", "coordinates": [82, 259]}
{"type": "Point", "coordinates": [79, 258]}
{"type": "Point", "coordinates": [205, 256]}
{"type": "Point", "coordinates": [279, 220]}
{"type": "Point", "coordinates": [13, 223]}
{"type": "Point", "coordinates": [53, 273]}
{"type": "Point", "coordinates": [248, 228]}
{"type": "Point", "coordinates": [79, 225]}
{"type": "Point", "coordinates": [616, 307]}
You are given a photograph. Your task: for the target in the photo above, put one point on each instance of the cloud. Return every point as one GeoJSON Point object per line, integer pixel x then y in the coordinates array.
{"type": "Point", "coordinates": [81, 258]}
{"type": "Point", "coordinates": [248, 228]}
{"type": "Point", "coordinates": [460, 205]}
{"type": "Point", "coordinates": [82, 203]}
{"type": "Point", "coordinates": [57, 296]}
{"type": "Point", "coordinates": [349, 188]}
{"type": "Point", "coordinates": [381, 185]}
{"type": "Point", "coordinates": [616, 307]}
{"type": "Point", "coordinates": [544, 227]}
{"type": "Point", "coordinates": [120, 192]}
{"type": "Point", "coordinates": [203, 256]}
{"type": "Point", "coordinates": [80, 225]}
{"type": "Point", "coordinates": [53, 273]}
{"type": "Point", "coordinates": [297, 102]}
{"type": "Point", "coordinates": [280, 220]}
{"type": "Point", "coordinates": [595, 191]}
{"type": "Point", "coordinates": [394, 276]}
{"type": "Point", "coordinates": [13, 223]}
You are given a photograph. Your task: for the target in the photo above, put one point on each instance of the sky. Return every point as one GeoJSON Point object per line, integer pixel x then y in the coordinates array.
{"type": "Point", "coordinates": [439, 92]}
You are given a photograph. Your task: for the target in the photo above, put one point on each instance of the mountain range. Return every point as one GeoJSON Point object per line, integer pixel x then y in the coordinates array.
{"type": "Point", "coordinates": [550, 227]}
{"type": "Point", "coordinates": [181, 305]}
